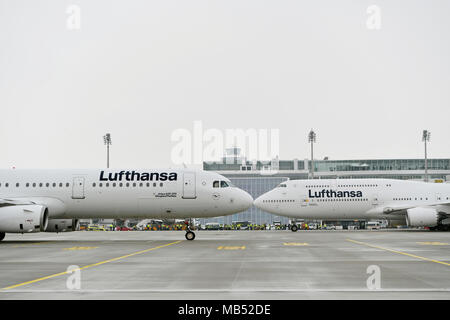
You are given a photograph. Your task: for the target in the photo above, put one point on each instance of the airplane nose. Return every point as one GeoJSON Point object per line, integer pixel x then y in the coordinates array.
{"type": "Point", "coordinates": [258, 202]}
{"type": "Point", "coordinates": [247, 200]}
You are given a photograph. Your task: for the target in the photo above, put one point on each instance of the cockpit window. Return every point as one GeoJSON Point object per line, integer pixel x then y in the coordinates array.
{"type": "Point", "coordinates": [216, 184]}
{"type": "Point", "coordinates": [283, 185]}
{"type": "Point", "coordinates": [223, 184]}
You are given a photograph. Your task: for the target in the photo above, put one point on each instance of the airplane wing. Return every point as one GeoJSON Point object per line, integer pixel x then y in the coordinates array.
{"type": "Point", "coordinates": [14, 202]}
{"type": "Point", "coordinates": [401, 208]}
{"type": "Point", "coordinates": [57, 206]}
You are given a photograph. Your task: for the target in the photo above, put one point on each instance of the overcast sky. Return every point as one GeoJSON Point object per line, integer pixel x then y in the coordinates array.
{"type": "Point", "coordinates": [143, 69]}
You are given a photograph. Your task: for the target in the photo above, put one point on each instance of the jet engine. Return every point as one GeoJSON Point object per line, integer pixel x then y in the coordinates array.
{"type": "Point", "coordinates": [23, 218]}
{"type": "Point", "coordinates": [422, 217]}
{"type": "Point", "coordinates": [62, 225]}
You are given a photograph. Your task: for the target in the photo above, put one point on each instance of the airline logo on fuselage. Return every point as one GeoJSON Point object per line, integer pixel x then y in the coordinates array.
{"type": "Point", "coordinates": [138, 176]}
{"type": "Point", "coordinates": [335, 194]}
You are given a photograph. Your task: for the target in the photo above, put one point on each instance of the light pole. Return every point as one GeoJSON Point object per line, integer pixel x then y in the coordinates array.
{"type": "Point", "coordinates": [426, 138]}
{"type": "Point", "coordinates": [108, 142]}
{"type": "Point", "coordinates": [312, 140]}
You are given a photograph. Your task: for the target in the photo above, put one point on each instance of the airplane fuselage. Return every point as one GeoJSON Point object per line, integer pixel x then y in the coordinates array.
{"type": "Point", "coordinates": [353, 198]}
{"type": "Point", "coordinates": [103, 193]}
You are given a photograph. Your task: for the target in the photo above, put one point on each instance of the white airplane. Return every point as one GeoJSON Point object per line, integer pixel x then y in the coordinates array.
{"type": "Point", "coordinates": [54, 200]}
{"type": "Point", "coordinates": [421, 204]}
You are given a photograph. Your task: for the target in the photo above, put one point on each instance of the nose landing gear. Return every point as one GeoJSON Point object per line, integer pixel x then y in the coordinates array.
{"type": "Point", "coordinates": [294, 228]}
{"type": "Point", "coordinates": [190, 235]}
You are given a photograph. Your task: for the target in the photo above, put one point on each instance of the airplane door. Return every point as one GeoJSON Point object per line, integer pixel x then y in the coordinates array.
{"type": "Point", "coordinates": [333, 184]}
{"type": "Point", "coordinates": [304, 201]}
{"type": "Point", "coordinates": [189, 191]}
{"type": "Point", "coordinates": [78, 188]}
{"type": "Point", "coordinates": [375, 199]}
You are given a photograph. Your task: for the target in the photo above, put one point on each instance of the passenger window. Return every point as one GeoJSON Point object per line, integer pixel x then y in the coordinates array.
{"type": "Point", "coordinates": [223, 184]}
{"type": "Point", "coordinates": [215, 184]}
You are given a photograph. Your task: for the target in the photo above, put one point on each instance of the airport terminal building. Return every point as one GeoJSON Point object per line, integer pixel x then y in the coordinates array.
{"type": "Point", "coordinates": [258, 177]}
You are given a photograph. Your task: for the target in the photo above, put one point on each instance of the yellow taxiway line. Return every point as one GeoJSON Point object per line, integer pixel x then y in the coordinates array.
{"type": "Point", "coordinates": [231, 248]}
{"type": "Point", "coordinates": [296, 244]}
{"type": "Point", "coordinates": [88, 266]}
{"type": "Point", "coordinates": [399, 252]}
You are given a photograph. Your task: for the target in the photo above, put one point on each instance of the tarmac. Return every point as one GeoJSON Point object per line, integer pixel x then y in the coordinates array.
{"type": "Point", "coordinates": [232, 265]}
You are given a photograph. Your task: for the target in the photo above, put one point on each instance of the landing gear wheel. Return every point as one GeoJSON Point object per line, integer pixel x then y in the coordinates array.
{"type": "Point", "coordinates": [294, 228]}
{"type": "Point", "coordinates": [2, 236]}
{"type": "Point", "coordinates": [190, 235]}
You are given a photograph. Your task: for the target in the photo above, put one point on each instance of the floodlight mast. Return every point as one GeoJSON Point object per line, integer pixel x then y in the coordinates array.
{"type": "Point", "coordinates": [107, 141]}
{"type": "Point", "coordinates": [426, 135]}
{"type": "Point", "coordinates": [312, 139]}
